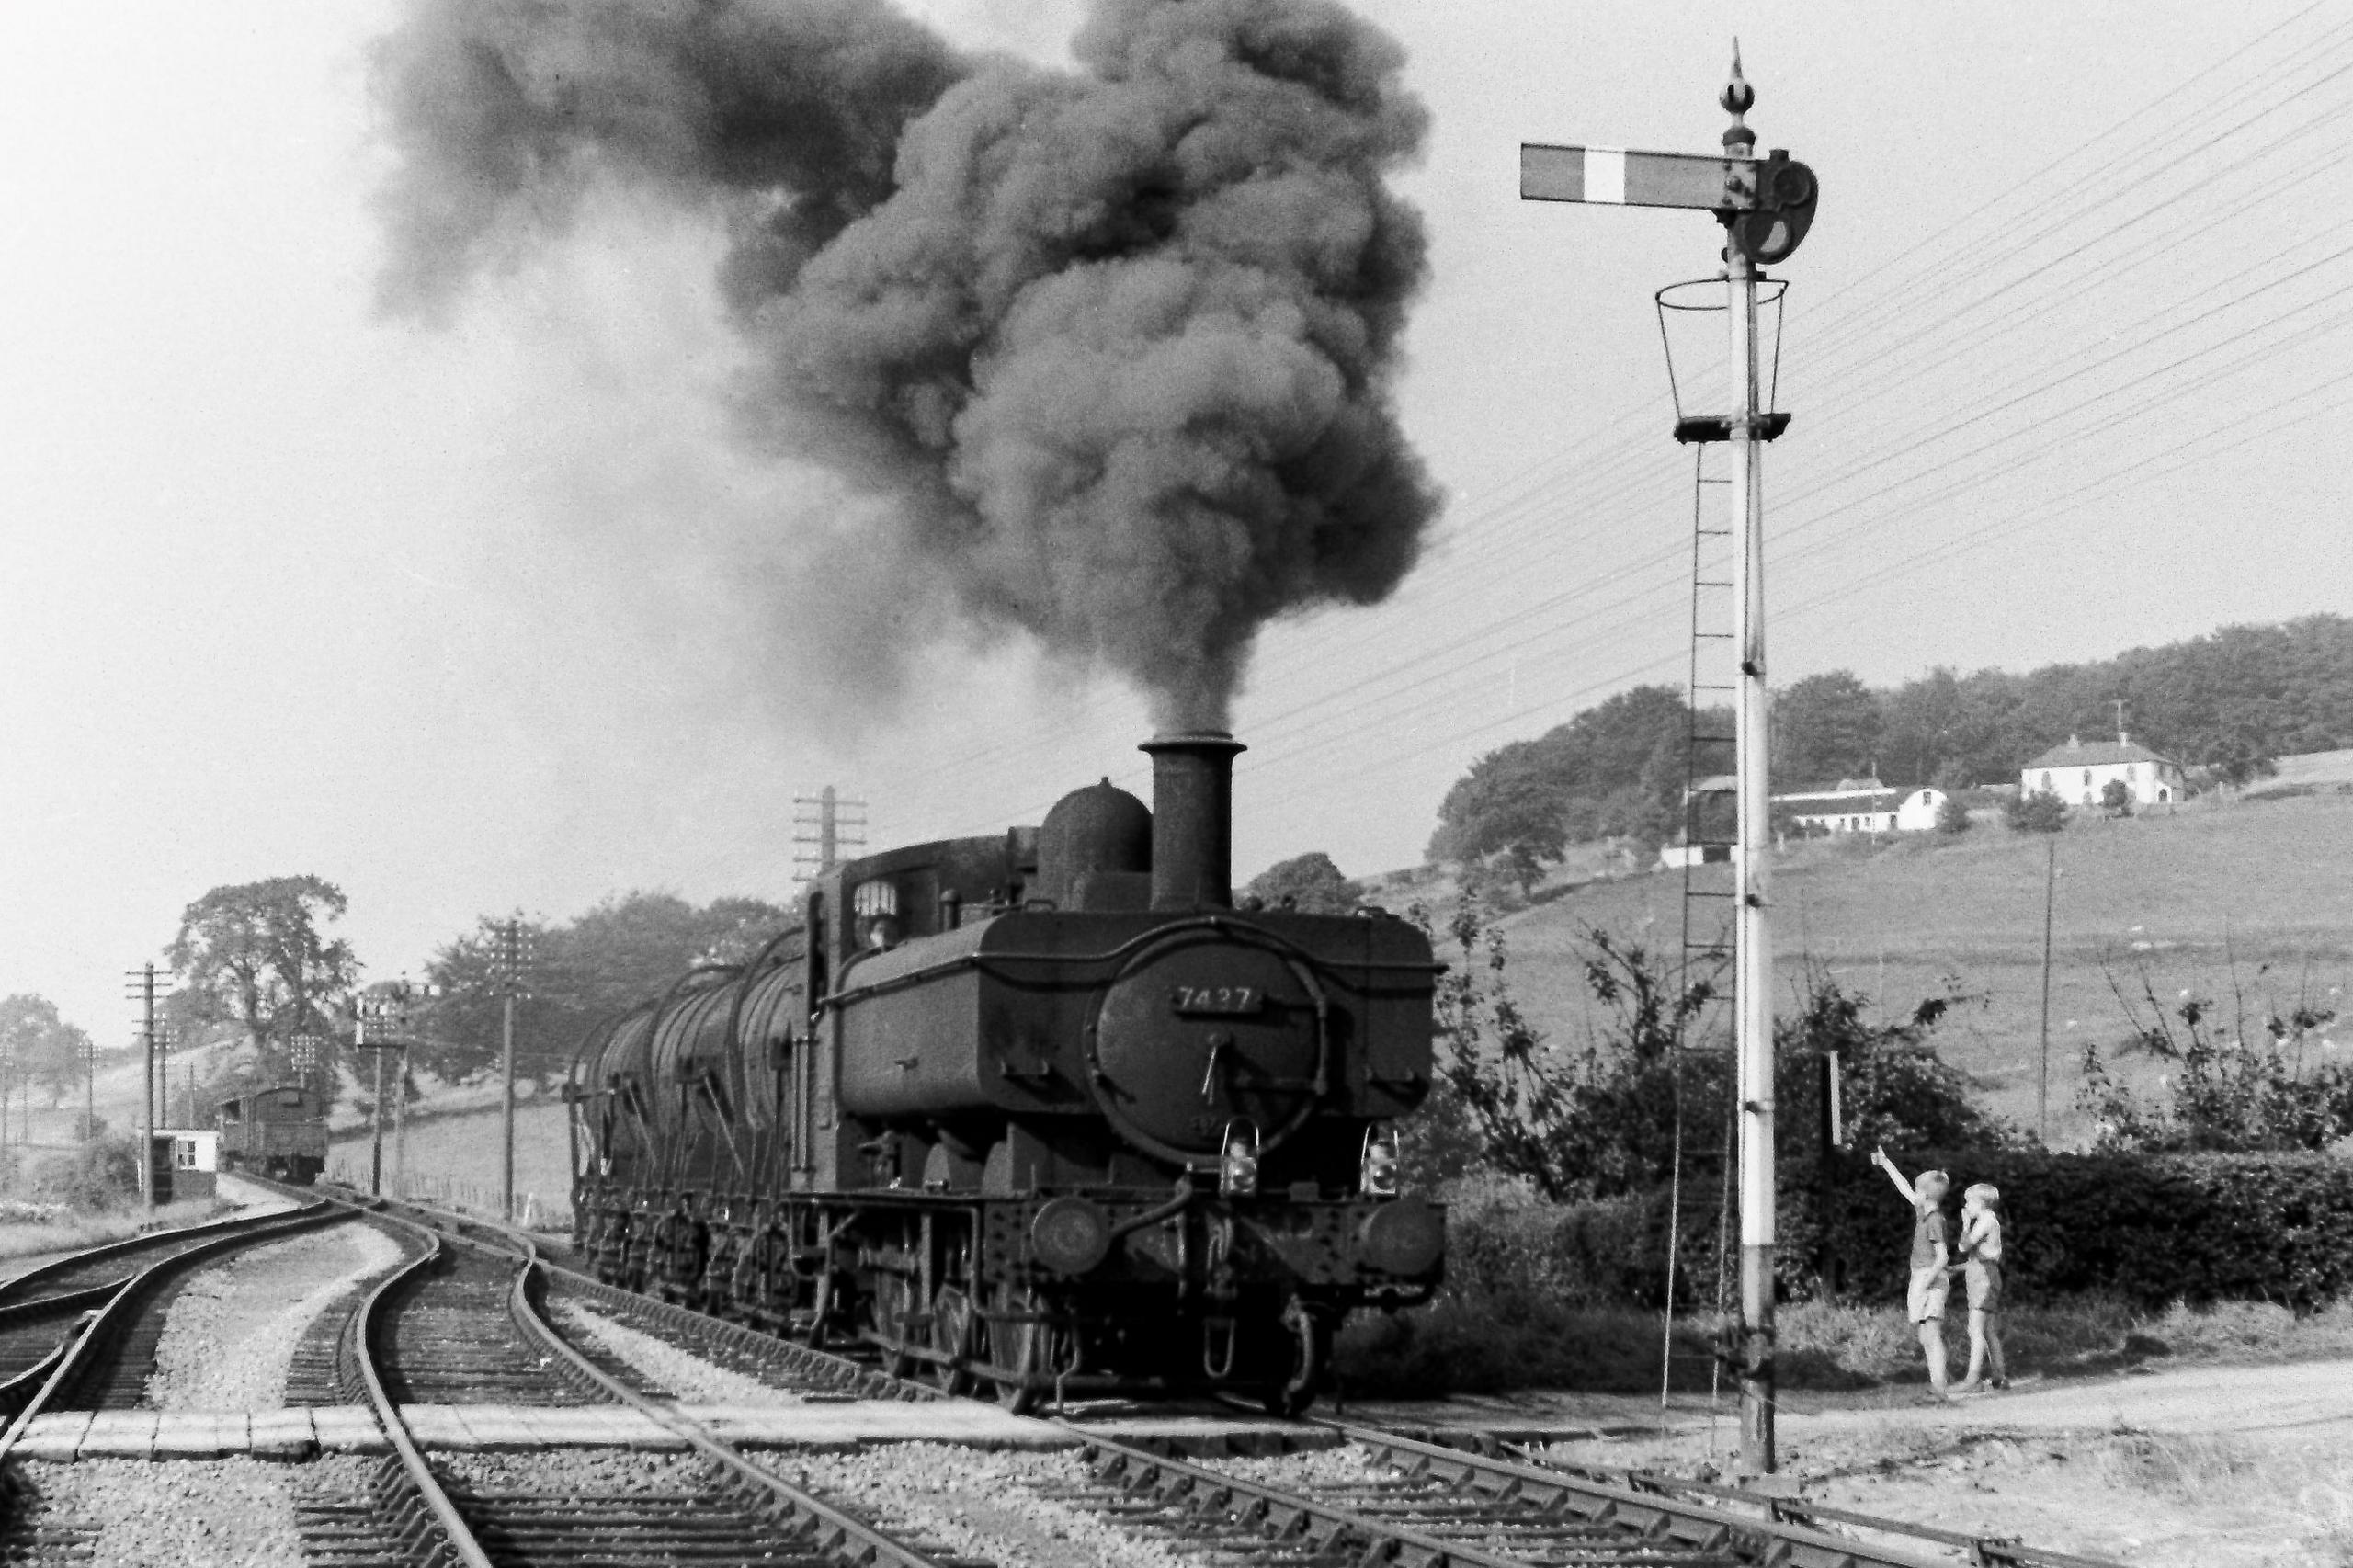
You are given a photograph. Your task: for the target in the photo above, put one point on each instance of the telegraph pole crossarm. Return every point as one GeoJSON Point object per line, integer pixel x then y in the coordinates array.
{"type": "Point", "coordinates": [1766, 205]}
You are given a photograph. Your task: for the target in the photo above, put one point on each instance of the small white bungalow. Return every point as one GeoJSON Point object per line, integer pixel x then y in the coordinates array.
{"type": "Point", "coordinates": [2079, 774]}
{"type": "Point", "coordinates": [1863, 805]}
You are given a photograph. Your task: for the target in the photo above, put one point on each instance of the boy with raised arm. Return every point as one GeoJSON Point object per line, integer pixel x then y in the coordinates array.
{"type": "Point", "coordinates": [1924, 1299]}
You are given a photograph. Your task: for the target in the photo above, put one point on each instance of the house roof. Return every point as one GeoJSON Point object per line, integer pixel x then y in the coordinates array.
{"type": "Point", "coordinates": [2098, 754]}
{"type": "Point", "coordinates": [1831, 802]}
{"type": "Point", "coordinates": [1845, 789]}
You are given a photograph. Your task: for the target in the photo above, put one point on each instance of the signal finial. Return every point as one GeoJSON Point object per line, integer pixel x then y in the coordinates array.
{"type": "Point", "coordinates": [1737, 98]}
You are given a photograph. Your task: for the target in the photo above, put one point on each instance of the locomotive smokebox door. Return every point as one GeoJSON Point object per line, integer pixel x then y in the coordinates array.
{"type": "Point", "coordinates": [1200, 1031]}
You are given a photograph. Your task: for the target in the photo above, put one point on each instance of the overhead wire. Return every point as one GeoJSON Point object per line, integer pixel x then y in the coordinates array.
{"type": "Point", "coordinates": [1524, 501]}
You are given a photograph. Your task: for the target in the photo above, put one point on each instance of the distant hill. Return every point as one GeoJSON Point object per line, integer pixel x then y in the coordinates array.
{"type": "Point", "coordinates": [2227, 703]}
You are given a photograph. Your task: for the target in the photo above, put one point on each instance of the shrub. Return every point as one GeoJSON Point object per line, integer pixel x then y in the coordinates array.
{"type": "Point", "coordinates": [1604, 1121]}
{"type": "Point", "coordinates": [2041, 811]}
{"type": "Point", "coordinates": [2143, 1230]}
{"type": "Point", "coordinates": [1952, 816]}
{"type": "Point", "coordinates": [98, 1175]}
{"type": "Point", "coordinates": [2260, 1085]}
{"type": "Point", "coordinates": [2150, 1228]}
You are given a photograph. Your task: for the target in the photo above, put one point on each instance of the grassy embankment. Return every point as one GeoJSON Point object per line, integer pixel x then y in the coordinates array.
{"type": "Point", "coordinates": [2266, 883]}
{"type": "Point", "coordinates": [73, 1230]}
{"type": "Point", "coordinates": [454, 1158]}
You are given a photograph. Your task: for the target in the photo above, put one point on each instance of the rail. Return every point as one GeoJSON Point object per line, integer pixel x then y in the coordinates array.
{"type": "Point", "coordinates": [63, 1374]}
{"type": "Point", "coordinates": [835, 1531]}
{"type": "Point", "coordinates": [439, 1515]}
{"type": "Point", "coordinates": [829, 1527]}
{"type": "Point", "coordinates": [1635, 1505]}
{"type": "Point", "coordinates": [1985, 1550]}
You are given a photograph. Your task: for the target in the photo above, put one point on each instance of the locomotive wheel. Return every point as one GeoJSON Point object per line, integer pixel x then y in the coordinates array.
{"type": "Point", "coordinates": [1307, 1338]}
{"type": "Point", "coordinates": [889, 1305]}
{"type": "Point", "coordinates": [1020, 1348]}
{"type": "Point", "coordinates": [821, 1311]}
{"type": "Point", "coordinates": [952, 1334]}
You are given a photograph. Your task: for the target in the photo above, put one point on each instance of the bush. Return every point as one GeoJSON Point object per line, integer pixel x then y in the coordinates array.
{"type": "Point", "coordinates": [96, 1177]}
{"type": "Point", "coordinates": [2259, 1084]}
{"type": "Point", "coordinates": [2041, 811]}
{"type": "Point", "coordinates": [2150, 1228]}
{"type": "Point", "coordinates": [1952, 816]}
{"type": "Point", "coordinates": [1606, 1121]}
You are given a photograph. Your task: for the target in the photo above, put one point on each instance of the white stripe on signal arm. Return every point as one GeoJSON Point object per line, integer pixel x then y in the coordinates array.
{"type": "Point", "coordinates": [1605, 175]}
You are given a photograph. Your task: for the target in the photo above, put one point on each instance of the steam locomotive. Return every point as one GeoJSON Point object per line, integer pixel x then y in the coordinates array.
{"type": "Point", "coordinates": [279, 1131]}
{"type": "Point", "coordinates": [1038, 1113]}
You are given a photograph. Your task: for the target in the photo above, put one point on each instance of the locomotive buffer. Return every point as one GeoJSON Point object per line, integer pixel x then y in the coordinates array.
{"type": "Point", "coordinates": [1765, 206]}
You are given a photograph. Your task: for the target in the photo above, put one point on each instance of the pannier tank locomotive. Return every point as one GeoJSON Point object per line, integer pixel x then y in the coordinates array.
{"type": "Point", "coordinates": [1042, 1113]}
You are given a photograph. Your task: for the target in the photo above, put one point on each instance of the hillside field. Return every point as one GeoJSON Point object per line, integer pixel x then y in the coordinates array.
{"type": "Point", "coordinates": [463, 1148]}
{"type": "Point", "coordinates": [2180, 897]}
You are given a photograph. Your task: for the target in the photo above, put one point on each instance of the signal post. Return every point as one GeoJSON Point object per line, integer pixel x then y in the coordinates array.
{"type": "Point", "coordinates": [1765, 206]}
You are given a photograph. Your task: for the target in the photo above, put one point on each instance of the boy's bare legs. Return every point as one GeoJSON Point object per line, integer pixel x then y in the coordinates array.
{"type": "Point", "coordinates": [1984, 1346]}
{"type": "Point", "coordinates": [1976, 1373]}
{"type": "Point", "coordinates": [1932, 1342]}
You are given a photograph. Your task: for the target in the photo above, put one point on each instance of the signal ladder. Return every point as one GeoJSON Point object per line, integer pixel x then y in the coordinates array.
{"type": "Point", "coordinates": [1710, 822]}
{"type": "Point", "coordinates": [1709, 830]}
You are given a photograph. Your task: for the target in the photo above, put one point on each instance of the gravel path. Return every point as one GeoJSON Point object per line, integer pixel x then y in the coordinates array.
{"type": "Point", "coordinates": [232, 1329]}
{"type": "Point", "coordinates": [682, 1373]}
{"type": "Point", "coordinates": [183, 1513]}
{"type": "Point", "coordinates": [980, 1504]}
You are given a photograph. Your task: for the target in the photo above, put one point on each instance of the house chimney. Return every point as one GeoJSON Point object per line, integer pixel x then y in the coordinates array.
{"type": "Point", "coordinates": [1192, 819]}
{"type": "Point", "coordinates": [2074, 742]}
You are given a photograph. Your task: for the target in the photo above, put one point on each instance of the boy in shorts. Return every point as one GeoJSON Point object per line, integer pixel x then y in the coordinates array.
{"type": "Point", "coordinates": [1925, 1298]}
{"type": "Point", "coordinates": [1981, 1250]}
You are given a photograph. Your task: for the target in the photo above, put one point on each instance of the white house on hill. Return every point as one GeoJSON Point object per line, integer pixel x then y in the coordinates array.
{"type": "Point", "coordinates": [2077, 773]}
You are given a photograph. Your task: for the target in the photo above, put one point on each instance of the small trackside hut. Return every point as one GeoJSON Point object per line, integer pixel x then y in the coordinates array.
{"type": "Point", "coordinates": [279, 1131]}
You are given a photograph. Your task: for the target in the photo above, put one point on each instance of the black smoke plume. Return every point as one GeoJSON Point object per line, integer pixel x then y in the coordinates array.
{"type": "Point", "coordinates": [1116, 343]}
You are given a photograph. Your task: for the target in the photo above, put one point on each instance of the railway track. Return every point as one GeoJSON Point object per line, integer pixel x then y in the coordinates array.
{"type": "Point", "coordinates": [465, 1308]}
{"type": "Point", "coordinates": [80, 1333]}
{"type": "Point", "coordinates": [1381, 1497]}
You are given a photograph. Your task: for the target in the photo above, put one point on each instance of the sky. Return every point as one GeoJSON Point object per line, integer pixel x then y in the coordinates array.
{"type": "Point", "coordinates": [451, 615]}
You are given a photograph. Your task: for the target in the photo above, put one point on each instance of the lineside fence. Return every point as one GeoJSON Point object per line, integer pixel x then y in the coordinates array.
{"type": "Point", "coordinates": [532, 1211]}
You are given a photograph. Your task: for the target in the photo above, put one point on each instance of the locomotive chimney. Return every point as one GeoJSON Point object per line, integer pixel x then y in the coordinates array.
{"type": "Point", "coordinates": [1192, 819]}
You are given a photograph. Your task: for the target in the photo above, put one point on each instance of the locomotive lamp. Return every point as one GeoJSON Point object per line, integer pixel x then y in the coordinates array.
{"type": "Point", "coordinates": [1238, 1166]}
{"type": "Point", "coordinates": [1377, 1168]}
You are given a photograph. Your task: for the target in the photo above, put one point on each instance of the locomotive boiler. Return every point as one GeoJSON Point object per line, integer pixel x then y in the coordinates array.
{"type": "Point", "coordinates": [1042, 1112]}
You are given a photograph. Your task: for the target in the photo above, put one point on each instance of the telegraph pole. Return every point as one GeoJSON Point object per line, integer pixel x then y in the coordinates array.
{"type": "Point", "coordinates": [2042, 1085]}
{"type": "Point", "coordinates": [1765, 206]}
{"type": "Point", "coordinates": [144, 992]}
{"type": "Point", "coordinates": [378, 1023]}
{"type": "Point", "coordinates": [825, 826]}
{"type": "Point", "coordinates": [513, 958]}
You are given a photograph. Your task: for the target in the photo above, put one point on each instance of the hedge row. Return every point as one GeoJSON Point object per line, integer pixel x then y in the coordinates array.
{"type": "Point", "coordinates": [2150, 1229]}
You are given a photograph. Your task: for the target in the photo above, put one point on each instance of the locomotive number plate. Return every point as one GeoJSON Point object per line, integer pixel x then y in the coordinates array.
{"type": "Point", "coordinates": [1217, 1001]}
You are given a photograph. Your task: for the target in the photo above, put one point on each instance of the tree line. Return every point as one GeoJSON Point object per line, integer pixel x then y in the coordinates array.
{"type": "Point", "coordinates": [259, 967]}
{"type": "Point", "coordinates": [2227, 703]}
